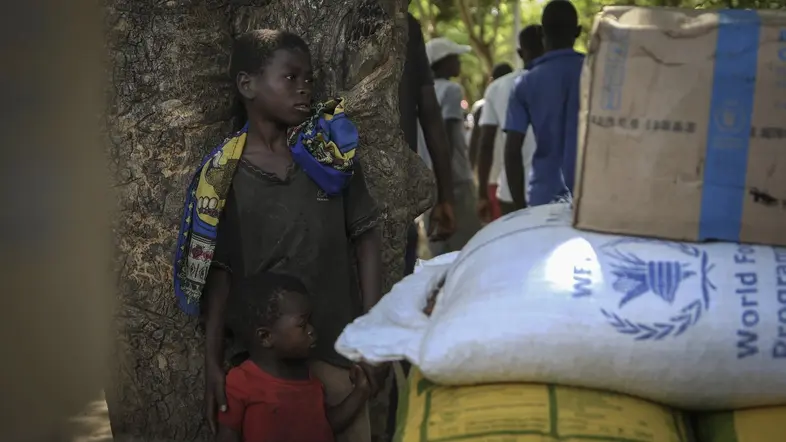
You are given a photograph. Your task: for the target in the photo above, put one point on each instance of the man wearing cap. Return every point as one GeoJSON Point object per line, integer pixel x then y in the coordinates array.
{"type": "Point", "coordinates": [418, 104]}
{"type": "Point", "coordinates": [443, 56]}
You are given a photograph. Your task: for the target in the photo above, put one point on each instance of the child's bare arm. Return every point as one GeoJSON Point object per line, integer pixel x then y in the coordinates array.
{"type": "Point", "coordinates": [226, 434]}
{"type": "Point", "coordinates": [341, 415]}
{"type": "Point", "coordinates": [368, 247]}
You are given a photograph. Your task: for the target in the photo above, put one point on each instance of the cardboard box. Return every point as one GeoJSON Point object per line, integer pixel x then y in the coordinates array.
{"type": "Point", "coordinates": [683, 125]}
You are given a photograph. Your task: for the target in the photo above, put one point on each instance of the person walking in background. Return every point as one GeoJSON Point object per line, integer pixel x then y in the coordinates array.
{"type": "Point", "coordinates": [418, 103]}
{"type": "Point", "coordinates": [494, 197]}
{"type": "Point", "coordinates": [472, 135]}
{"type": "Point", "coordinates": [443, 56]}
{"type": "Point", "coordinates": [547, 97]}
{"type": "Point", "coordinates": [499, 71]}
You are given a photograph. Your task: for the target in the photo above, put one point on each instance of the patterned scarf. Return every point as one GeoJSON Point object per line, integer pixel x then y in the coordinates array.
{"type": "Point", "coordinates": [323, 146]}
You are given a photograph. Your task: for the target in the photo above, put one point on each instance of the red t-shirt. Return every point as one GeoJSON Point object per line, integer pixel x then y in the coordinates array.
{"type": "Point", "coordinates": [267, 409]}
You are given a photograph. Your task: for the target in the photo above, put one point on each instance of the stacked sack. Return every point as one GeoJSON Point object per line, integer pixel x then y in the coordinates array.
{"type": "Point", "coordinates": [531, 299]}
{"type": "Point", "coordinates": [683, 124]}
{"type": "Point", "coordinates": [542, 332]}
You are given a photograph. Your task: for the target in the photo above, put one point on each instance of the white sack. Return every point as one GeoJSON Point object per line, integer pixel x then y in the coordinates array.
{"type": "Point", "coordinates": [394, 328]}
{"type": "Point", "coordinates": [532, 299]}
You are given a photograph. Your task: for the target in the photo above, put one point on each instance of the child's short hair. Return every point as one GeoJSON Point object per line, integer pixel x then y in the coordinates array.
{"type": "Point", "coordinates": [560, 20]}
{"type": "Point", "coordinates": [254, 302]}
{"type": "Point", "coordinates": [252, 50]}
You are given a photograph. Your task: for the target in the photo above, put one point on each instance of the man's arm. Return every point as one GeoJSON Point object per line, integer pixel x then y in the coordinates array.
{"type": "Point", "coordinates": [436, 136]}
{"type": "Point", "coordinates": [455, 129]}
{"type": "Point", "coordinates": [514, 168]}
{"type": "Point", "coordinates": [488, 134]}
{"type": "Point", "coordinates": [489, 122]}
{"type": "Point", "coordinates": [485, 158]}
{"type": "Point", "coordinates": [429, 113]}
{"type": "Point", "coordinates": [517, 121]}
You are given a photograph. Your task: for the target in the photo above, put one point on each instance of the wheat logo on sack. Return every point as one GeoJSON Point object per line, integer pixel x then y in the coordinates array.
{"type": "Point", "coordinates": [680, 282]}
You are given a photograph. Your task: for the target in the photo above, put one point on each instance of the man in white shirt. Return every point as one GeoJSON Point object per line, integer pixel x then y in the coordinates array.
{"type": "Point", "coordinates": [500, 70]}
{"type": "Point", "coordinates": [494, 197]}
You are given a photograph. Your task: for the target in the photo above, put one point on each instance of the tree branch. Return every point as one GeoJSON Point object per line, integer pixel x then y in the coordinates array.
{"type": "Point", "coordinates": [497, 21]}
{"type": "Point", "coordinates": [425, 16]}
{"type": "Point", "coordinates": [482, 49]}
{"type": "Point", "coordinates": [480, 17]}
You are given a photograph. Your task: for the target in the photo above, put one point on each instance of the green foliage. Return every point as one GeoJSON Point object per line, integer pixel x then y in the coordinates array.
{"type": "Point", "coordinates": [488, 25]}
{"type": "Point", "coordinates": [484, 24]}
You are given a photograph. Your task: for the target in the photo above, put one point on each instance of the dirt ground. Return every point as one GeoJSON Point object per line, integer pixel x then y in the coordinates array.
{"type": "Point", "coordinates": [91, 425]}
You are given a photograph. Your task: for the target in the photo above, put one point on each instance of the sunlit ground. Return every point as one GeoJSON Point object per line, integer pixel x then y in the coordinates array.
{"type": "Point", "coordinates": [92, 425]}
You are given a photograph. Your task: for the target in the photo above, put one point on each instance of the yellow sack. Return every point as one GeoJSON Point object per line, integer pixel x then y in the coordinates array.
{"type": "Point", "coordinates": [529, 413]}
{"type": "Point", "coordinates": [753, 425]}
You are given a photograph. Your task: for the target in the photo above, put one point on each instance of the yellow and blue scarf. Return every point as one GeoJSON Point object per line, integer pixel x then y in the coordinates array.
{"type": "Point", "coordinates": [323, 146]}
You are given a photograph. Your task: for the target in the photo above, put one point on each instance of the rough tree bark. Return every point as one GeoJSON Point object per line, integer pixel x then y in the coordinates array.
{"type": "Point", "coordinates": [171, 102]}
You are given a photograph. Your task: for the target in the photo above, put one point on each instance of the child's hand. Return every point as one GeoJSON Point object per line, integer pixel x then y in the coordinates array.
{"type": "Point", "coordinates": [359, 379]}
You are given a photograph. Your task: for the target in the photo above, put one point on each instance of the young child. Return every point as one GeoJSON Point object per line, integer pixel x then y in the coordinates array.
{"type": "Point", "coordinates": [272, 396]}
{"type": "Point", "coordinates": [273, 198]}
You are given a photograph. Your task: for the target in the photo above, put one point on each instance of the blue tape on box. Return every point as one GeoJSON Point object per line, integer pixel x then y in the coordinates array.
{"type": "Point", "coordinates": [729, 126]}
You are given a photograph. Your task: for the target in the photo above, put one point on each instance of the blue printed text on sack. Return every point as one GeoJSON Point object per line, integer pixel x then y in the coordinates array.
{"type": "Point", "coordinates": [582, 281]}
{"type": "Point", "coordinates": [747, 290]}
{"type": "Point", "coordinates": [779, 348]}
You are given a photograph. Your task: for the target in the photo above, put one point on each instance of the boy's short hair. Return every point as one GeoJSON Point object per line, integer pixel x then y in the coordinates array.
{"type": "Point", "coordinates": [531, 38]}
{"type": "Point", "coordinates": [252, 50]}
{"type": "Point", "coordinates": [560, 20]}
{"type": "Point", "coordinates": [254, 301]}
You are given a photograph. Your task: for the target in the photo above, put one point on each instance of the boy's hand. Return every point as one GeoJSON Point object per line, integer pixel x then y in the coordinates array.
{"type": "Point", "coordinates": [215, 395]}
{"type": "Point", "coordinates": [359, 378]}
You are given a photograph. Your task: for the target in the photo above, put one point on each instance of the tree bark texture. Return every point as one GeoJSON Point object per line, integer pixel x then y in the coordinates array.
{"type": "Point", "coordinates": [171, 102]}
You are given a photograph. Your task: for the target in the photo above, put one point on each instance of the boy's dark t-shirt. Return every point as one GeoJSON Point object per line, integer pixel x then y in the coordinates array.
{"type": "Point", "coordinates": [267, 409]}
{"type": "Point", "coordinates": [291, 226]}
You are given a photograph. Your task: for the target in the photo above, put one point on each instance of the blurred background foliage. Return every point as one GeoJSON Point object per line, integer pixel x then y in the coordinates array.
{"type": "Point", "coordinates": [489, 27]}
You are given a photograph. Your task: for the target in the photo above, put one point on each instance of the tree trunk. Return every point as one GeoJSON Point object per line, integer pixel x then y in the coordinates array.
{"type": "Point", "coordinates": [171, 103]}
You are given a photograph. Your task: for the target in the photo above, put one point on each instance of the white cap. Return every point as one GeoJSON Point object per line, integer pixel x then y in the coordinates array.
{"type": "Point", "coordinates": [439, 48]}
